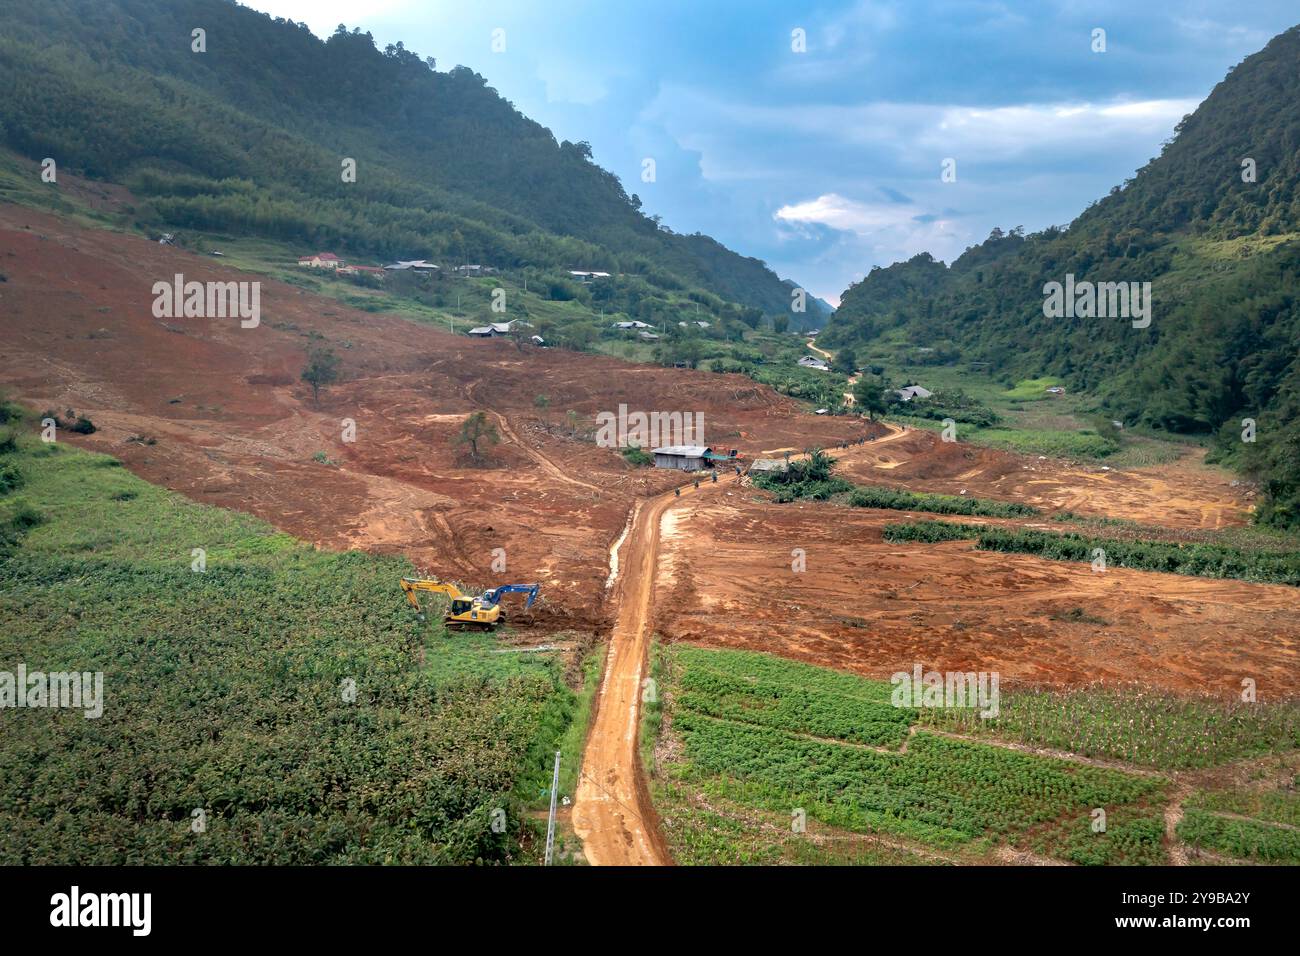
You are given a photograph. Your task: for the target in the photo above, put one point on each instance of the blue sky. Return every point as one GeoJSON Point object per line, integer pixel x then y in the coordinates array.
{"type": "Point", "coordinates": [827, 162]}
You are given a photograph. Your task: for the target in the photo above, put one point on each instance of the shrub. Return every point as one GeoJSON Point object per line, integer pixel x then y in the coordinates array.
{"type": "Point", "coordinates": [11, 479]}
{"type": "Point", "coordinates": [633, 455]}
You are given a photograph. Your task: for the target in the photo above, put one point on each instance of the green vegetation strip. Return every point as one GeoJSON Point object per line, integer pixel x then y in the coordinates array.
{"type": "Point", "coordinates": [1198, 560]}
{"type": "Point", "coordinates": [227, 691]}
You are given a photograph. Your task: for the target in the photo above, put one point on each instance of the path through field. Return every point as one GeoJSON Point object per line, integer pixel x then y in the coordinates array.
{"type": "Point", "coordinates": [612, 812]}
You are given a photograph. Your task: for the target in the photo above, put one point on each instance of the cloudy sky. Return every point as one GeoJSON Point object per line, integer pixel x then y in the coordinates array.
{"type": "Point", "coordinates": [828, 161]}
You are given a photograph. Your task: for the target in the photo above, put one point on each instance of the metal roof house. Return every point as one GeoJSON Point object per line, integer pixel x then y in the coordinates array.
{"type": "Point", "coordinates": [914, 391]}
{"type": "Point", "coordinates": [809, 361]}
{"type": "Point", "coordinates": [491, 331]}
{"type": "Point", "coordinates": [683, 457]}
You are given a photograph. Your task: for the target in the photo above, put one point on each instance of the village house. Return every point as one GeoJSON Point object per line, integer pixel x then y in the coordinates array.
{"type": "Point", "coordinates": [768, 466]}
{"type": "Point", "coordinates": [322, 260]}
{"type": "Point", "coordinates": [809, 361]}
{"type": "Point", "coordinates": [416, 265]}
{"type": "Point", "coordinates": [473, 271]}
{"type": "Point", "coordinates": [634, 324]}
{"type": "Point", "coordinates": [492, 330]}
{"type": "Point", "coordinates": [913, 391]}
{"type": "Point", "coordinates": [587, 277]}
{"type": "Point", "coordinates": [682, 457]}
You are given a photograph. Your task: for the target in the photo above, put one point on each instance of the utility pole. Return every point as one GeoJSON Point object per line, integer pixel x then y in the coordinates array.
{"type": "Point", "coordinates": [550, 824]}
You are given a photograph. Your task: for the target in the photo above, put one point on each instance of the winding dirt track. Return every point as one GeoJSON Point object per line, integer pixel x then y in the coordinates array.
{"type": "Point", "coordinates": [612, 812]}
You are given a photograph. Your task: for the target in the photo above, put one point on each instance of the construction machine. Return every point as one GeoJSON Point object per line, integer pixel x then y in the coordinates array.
{"type": "Point", "coordinates": [464, 610]}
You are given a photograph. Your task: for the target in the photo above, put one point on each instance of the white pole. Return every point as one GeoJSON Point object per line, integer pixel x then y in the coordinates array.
{"type": "Point", "coordinates": [550, 824]}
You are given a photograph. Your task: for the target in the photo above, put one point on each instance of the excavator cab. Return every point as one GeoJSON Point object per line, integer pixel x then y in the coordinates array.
{"type": "Point", "coordinates": [463, 610]}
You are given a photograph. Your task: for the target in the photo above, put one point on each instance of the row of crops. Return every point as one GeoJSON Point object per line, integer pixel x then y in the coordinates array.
{"type": "Point", "coordinates": [901, 500]}
{"type": "Point", "coordinates": [1199, 560]}
{"type": "Point", "coordinates": [776, 736]}
{"type": "Point", "coordinates": [263, 703]}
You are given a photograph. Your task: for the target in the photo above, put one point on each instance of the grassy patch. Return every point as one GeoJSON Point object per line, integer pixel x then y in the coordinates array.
{"type": "Point", "coordinates": [1133, 725]}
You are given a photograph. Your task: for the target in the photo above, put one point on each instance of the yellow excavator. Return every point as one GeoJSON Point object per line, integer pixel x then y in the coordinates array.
{"type": "Point", "coordinates": [464, 610]}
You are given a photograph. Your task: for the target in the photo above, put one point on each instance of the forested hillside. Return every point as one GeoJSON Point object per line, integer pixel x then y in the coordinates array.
{"type": "Point", "coordinates": [249, 136]}
{"type": "Point", "coordinates": [1218, 239]}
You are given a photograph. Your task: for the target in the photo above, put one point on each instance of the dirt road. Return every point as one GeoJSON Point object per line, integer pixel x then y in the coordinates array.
{"type": "Point", "coordinates": [612, 812]}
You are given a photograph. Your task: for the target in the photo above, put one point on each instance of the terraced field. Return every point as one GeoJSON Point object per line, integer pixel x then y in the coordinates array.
{"type": "Point", "coordinates": [764, 760]}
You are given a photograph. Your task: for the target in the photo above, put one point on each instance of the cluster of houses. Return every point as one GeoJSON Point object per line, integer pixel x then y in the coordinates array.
{"type": "Point", "coordinates": [644, 329]}
{"type": "Point", "coordinates": [328, 260]}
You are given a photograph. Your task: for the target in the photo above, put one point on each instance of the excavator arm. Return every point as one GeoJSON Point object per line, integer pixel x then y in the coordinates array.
{"type": "Point", "coordinates": [410, 586]}
{"type": "Point", "coordinates": [492, 597]}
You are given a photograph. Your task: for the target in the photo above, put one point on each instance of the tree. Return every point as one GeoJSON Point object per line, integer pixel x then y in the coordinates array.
{"type": "Point", "coordinates": [543, 404]}
{"type": "Point", "coordinates": [868, 395]}
{"type": "Point", "coordinates": [322, 370]}
{"type": "Point", "coordinates": [845, 361]}
{"type": "Point", "coordinates": [780, 324]}
{"type": "Point", "coordinates": [476, 429]}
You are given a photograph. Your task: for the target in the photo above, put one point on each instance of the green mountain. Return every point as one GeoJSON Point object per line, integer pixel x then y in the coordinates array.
{"type": "Point", "coordinates": [1221, 249]}
{"type": "Point", "coordinates": [249, 138]}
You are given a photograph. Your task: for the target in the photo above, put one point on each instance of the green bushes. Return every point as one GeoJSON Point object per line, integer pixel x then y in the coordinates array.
{"type": "Point", "coordinates": [634, 456]}
{"type": "Point", "coordinates": [901, 500]}
{"type": "Point", "coordinates": [1198, 560]}
{"type": "Point", "coordinates": [930, 532]}
{"type": "Point", "coordinates": [804, 478]}
{"type": "Point", "coordinates": [11, 479]}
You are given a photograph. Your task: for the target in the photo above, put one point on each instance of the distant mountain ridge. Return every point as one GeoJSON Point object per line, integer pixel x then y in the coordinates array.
{"type": "Point", "coordinates": [1213, 223]}
{"type": "Point", "coordinates": [248, 137]}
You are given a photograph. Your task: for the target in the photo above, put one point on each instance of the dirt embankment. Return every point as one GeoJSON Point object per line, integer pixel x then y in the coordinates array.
{"type": "Point", "coordinates": [233, 424]}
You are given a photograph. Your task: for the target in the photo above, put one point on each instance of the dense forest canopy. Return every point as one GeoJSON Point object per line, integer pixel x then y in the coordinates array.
{"type": "Point", "coordinates": [248, 137]}
{"type": "Point", "coordinates": [1217, 237]}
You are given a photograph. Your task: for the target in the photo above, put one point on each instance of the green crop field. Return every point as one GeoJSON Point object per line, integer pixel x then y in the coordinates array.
{"type": "Point", "coordinates": [758, 739]}
{"type": "Point", "coordinates": [268, 708]}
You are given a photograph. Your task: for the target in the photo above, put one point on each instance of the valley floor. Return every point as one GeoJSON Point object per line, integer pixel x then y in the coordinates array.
{"type": "Point", "coordinates": [218, 413]}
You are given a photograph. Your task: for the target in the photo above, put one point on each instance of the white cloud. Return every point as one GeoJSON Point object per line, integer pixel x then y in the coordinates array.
{"type": "Point", "coordinates": [322, 16]}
